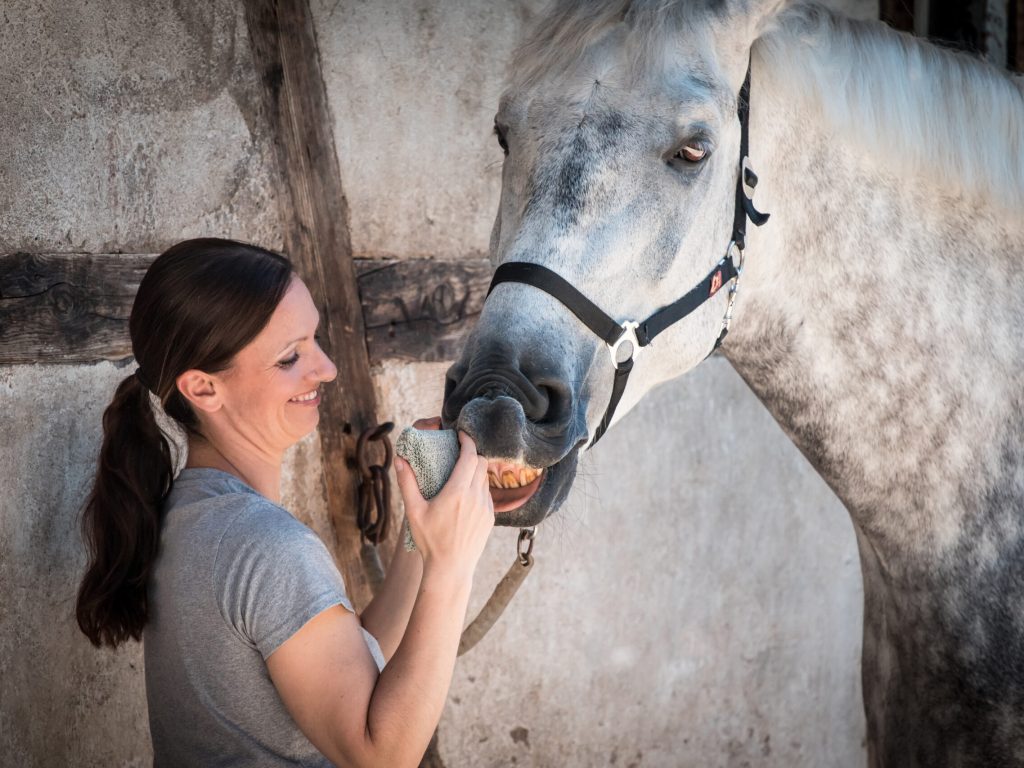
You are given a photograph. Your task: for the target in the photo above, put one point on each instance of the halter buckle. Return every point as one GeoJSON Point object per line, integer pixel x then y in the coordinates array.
{"type": "Point", "coordinates": [735, 254]}
{"type": "Point", "coordinates": [628, 336]}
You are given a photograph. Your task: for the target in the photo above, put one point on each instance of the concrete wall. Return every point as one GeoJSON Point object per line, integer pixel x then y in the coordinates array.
{"type": "Point", "coordinates": [675, 616]}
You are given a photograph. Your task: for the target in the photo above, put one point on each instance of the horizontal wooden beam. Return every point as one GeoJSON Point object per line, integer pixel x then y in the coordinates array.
{"type": "Point", "coordinates": [421, 310]}
{"type": "Point", "coordinates": [67, 308]}
{"type": "Point", "coordinates": [74, 307]}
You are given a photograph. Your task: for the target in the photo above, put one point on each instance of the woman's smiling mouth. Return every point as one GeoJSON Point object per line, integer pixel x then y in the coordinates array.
{"type": "Point", "coordinates": [307, 398]}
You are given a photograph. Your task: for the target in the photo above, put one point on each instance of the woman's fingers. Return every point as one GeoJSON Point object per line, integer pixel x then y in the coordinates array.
{"type": "Point", "coordinates": [480, 473]}
{"type": "Point", "coordinates": [465, 467]}
{"type": "Point", "coordinates": [480, 482]}
{"type": "Point", "coordinates": [434, 422]}
{"type": "Point", "coordinates": [407, 486]}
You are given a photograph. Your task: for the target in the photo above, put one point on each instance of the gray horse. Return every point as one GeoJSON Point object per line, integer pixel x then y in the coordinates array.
{"type": "Point", "coordinates": [880, 320]}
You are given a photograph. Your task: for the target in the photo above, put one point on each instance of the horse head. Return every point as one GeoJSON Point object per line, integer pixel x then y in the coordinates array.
{"type": "Point", "coordinates": [622, 145]}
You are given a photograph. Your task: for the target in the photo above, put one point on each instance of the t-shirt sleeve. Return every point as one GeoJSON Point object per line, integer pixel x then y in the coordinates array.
{"type": "Point", "coordinates": [272, 574]}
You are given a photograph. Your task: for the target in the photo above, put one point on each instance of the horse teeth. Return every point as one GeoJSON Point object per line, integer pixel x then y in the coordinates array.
{"type": "Point", "coordinates": [516, 477]}
{"type": "Point", "coordinates": [528, 475]}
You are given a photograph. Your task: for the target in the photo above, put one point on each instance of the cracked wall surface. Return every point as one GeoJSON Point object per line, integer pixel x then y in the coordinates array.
{"type": "Point", "coordinates": [674, 617]}
{"type": "Point", "coordinates": [129, 126]}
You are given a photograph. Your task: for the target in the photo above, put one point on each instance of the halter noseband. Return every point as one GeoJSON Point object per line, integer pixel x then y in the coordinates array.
{"type": "Point", "coordinates": [640, 334]}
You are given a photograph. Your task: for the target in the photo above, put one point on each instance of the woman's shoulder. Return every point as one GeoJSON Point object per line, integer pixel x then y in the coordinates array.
{"type": "Point", "coordinates": [213, 500]}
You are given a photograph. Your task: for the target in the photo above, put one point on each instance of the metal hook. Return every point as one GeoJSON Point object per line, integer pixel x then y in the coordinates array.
{"type": "Point", "coordinates": [527, 535]}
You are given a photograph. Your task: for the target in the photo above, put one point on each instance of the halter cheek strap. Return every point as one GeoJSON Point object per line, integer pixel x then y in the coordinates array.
{"type": "Point", "coordinates": [640, 334]}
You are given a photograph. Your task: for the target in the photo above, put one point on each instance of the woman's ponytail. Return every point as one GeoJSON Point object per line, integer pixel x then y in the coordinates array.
{"type": "Point", "coordinates": [121, 522]}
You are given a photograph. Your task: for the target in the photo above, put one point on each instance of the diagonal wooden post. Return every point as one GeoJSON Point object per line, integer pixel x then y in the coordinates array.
{"type": "Point", "coordinates": [898, 14]}
{"type": "Point", "coordinates": [314, 215]}
{"type": "Point", "coordinates": [1015, 41]}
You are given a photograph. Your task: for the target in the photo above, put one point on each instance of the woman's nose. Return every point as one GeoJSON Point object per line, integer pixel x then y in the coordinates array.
{"type": "Point", "coordinates": [326, 370]}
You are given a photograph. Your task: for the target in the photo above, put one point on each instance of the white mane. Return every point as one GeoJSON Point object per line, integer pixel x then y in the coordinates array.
{"type": "Point", "coordinates": [923, 110]}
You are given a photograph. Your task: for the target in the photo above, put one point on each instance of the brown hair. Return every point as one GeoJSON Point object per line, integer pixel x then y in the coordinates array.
{"type": "Point", "coordinates": [200, 302]}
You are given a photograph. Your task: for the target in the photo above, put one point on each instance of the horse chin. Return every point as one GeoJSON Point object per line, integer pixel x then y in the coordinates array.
{"type": "Point", "coordinates": [552, 491]}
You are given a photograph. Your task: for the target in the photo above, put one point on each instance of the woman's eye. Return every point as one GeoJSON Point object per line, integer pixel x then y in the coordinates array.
{"type": "Point", "coordinates": [691, 153]}
{"type": "Point", "coordinates": [502, 141]}
{"type": "Point", "coordinates": [290, 361]}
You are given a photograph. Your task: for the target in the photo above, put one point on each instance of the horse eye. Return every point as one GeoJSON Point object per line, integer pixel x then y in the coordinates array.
{"type": "Point", "coordinates": [691, 153]}
{"type": "Point", "coordinates": [502, 142]}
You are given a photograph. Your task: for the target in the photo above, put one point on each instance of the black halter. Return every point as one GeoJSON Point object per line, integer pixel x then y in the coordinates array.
{"type": "Point", "coordinates": [640, 334]}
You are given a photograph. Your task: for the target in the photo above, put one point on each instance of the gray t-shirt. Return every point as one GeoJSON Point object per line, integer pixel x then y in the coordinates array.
{"type": "Point", "coordinates": [235, 577]}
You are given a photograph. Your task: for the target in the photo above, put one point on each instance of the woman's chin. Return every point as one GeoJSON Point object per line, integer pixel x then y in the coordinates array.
{"type": "Point", "coordinates": [301, 428]}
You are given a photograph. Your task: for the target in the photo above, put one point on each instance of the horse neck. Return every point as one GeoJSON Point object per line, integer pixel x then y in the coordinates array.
{"type": "Point", "coordinates": [880, 322]}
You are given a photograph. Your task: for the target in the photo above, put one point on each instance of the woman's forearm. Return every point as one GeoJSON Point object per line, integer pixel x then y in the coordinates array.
{"type": "Point", "coordinates": [410, 693]}
{"type": "Point", "coordinates": [387, 615]}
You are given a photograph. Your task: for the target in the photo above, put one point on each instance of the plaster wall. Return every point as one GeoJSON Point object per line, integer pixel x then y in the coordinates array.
{"type": "Point", "coordinates": [676, 616]}
{"type": "Point", "coordinates": [129, 126]}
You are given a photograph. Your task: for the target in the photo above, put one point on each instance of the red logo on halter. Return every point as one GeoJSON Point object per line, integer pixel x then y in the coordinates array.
{"type": "Point", "coordinates": [716, 283]}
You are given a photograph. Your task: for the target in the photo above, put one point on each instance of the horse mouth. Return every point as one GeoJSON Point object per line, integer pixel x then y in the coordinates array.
{"type": "Point", "coordinates": [524, 495]}
{"type": "Point", "coordinates": [512, 484]}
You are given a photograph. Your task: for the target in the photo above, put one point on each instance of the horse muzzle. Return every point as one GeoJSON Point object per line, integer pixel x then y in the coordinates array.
{"type": "Point", "coordinates": [522, 418]}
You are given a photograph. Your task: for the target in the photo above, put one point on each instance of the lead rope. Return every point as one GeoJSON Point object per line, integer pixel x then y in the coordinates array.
{"type": "Point", "coordinates": [503, 593]}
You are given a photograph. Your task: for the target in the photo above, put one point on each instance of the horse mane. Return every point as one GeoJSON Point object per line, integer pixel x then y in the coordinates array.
{"type": "Point", "coordinates": [925, 111]}
{"type": "Point", "coordinates": [951, 118]}
{"type": "Point", "coordinates": [569, 27]}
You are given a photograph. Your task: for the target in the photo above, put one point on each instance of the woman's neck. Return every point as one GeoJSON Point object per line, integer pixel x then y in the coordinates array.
{"type": "Point", "coordinates": [259, 471]}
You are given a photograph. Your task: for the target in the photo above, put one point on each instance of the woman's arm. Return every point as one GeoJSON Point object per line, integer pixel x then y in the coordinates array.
{"type": "Point", "coordinates": [324, 672]}
{"type": "Point", "coordinates": [387, 615]}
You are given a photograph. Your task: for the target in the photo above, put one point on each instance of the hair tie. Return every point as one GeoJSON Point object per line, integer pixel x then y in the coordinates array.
{"type": "Point", "coordinates": [142, 380]}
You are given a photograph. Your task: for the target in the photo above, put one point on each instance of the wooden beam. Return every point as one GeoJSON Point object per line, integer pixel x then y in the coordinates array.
{"type": "Point", "coordinates": [1015, 36]}
{"type": "Point", "coordinates": [898, 14]}
{"type": "Point", "coordinates": [421, 310]}
{"type": "Point", "coordinates": [67, 308]}
{"type": "Point", "coordinates": [73, 307]}
{"type": "Point", "coordinates": [314, 214]}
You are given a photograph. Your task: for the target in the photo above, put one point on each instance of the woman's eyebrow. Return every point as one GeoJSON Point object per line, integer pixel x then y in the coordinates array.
{"type": "Point", "coordinates": [301, 338]}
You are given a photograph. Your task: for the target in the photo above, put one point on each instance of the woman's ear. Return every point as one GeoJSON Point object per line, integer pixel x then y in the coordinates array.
{"type": "Point", "coordinates": [201, 390]}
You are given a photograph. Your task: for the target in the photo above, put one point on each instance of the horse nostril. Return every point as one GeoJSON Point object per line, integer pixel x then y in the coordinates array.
{"type": "Point", "coordinates": [553, 403]}
{"type": "Point", "coordinates": [536, 403]}
{"type": "Point", "coordinates": [540, 387]}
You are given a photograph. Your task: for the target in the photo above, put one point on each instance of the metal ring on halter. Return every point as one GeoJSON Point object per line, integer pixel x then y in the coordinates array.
{"type": "Point", "coordinates": [727, 320]}
{"type": "Point", "coordinates": [629, 335]}
{"type": "Point", "coordinates": [527, 535]}
{"type": "Point", "coordinates": [732, 252]}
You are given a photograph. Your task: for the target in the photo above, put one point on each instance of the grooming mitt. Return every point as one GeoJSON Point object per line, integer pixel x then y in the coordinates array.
{"type": "Point", "coordinates": [432, 454]}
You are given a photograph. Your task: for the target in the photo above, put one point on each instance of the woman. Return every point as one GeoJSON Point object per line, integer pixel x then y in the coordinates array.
{"type": "Point", "coordinates": [253, 652]}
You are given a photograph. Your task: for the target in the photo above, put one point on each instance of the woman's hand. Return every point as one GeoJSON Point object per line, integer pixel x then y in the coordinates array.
{"type": "Point", "coordinates": [452, 528]}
